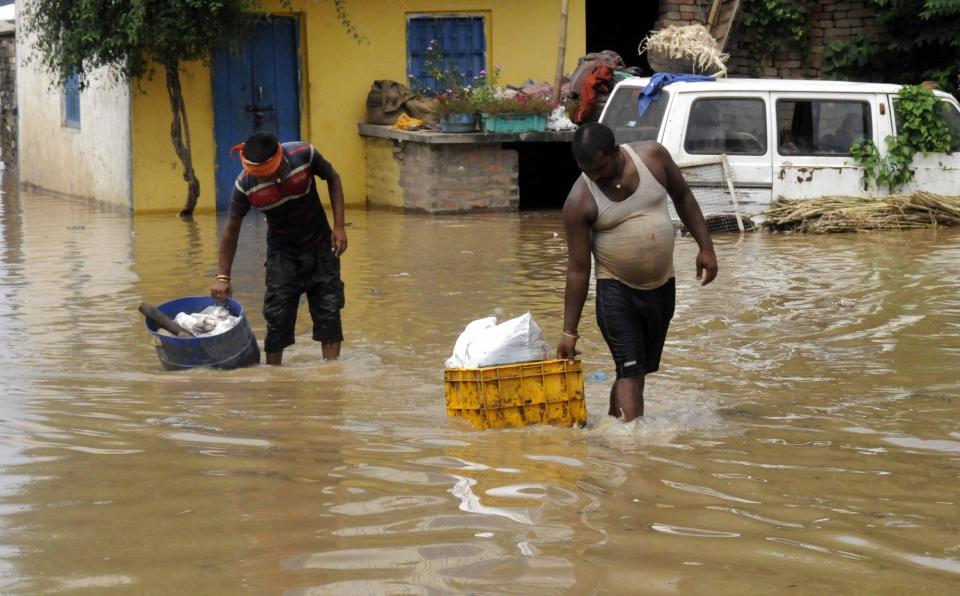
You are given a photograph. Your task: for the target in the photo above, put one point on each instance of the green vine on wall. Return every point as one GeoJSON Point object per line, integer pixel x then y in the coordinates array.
{"type": "Point", "coordinates": [909, 41]}
{"type": "Point", "coordinates": [341, 8]}
{"type": "Point", "coordinates": [921, 128]}
{"type": "Point", "coordinates": [776, 25]}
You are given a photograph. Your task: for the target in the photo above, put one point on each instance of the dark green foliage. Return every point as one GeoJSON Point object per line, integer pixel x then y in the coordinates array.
{"type": "Point", "coordinates": [921, 128]}
{"type": "Point", "coordinates": [917, 40]}
{"type": "Point", "coordinates": [79, 36]}
{"type": "Point", "coordinates": [920, 121]}
{"type": "Point", "coordinates": [128, 36]}
{"type": "Point", "coordinates": [775, 25]}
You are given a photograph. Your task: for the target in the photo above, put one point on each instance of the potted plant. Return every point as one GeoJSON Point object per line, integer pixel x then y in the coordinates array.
{"type": "Point", "coordinates": [456, 110]}
{"type": "Point", "coordinates": [456, 106]}
{"type": "Point", "coordinates": [516, 113]}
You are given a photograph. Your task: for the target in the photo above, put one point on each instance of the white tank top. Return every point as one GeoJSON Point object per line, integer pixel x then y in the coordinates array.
{"type": "Point", "coordinates": [633, 238]}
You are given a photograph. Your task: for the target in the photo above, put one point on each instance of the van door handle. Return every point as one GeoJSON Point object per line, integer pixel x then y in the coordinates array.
{"type": "Point", "coordinates": [256, 108]}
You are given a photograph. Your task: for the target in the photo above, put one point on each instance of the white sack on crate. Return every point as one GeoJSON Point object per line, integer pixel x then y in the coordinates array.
{"type": "Point", "coordinates": [484, 343]}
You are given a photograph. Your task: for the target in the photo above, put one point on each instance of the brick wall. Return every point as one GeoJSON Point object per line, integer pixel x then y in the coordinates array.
{"type": "Point", "coordinates": [683, 12]}
{"type": "Point", "coordinates": [440, 177]}
{"type": "Point", "coordinates": [8, 101]}
{"type": "Point", "coordinates": [830, 20]}
{"type": "Point", "coordinates": [461, 178]}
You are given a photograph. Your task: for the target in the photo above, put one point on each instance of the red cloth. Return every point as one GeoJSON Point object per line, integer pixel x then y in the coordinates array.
{"type": "Point", "coordinates": [589, 63]}
{"type": "Point", "coordinates": [597, 81]}
{"type": "Point", "coordinates": [265, 169]}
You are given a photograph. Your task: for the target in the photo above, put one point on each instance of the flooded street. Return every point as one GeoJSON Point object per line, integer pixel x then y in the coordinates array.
{"type": "Point", "coordinates": [802, 436]}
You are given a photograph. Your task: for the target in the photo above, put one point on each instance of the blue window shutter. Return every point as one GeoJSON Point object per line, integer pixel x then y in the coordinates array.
{"type": "Point", "coordinates": [460, 40]}
{"type": "Point", "coordinates": [71, 100]}
{"type": "Point", "coordinates": [420, 30]}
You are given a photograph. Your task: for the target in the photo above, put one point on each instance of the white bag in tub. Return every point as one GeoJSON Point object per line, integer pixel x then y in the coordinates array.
{"type": "Point", "coordinates": [213, 320]}
{"type": "Point", "coordinates": [484, 343]}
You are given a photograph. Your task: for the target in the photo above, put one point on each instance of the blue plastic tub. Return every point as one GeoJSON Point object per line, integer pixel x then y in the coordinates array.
{"type": "Point", "coordinates": [233, 349]}
{"type": "Point", "coordinates": [461, 122]}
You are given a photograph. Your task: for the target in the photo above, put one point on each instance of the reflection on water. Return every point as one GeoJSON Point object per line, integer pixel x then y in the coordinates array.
{"type": "Point", "coordinates": [801, 434]}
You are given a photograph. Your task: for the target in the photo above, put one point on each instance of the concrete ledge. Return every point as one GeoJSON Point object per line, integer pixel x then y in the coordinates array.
{"type": "Point", "coordinates": [471, 138]}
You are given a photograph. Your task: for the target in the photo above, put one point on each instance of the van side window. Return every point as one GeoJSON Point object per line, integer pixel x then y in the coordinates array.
{"type": "Point", "coordinates": [821, 127]}
{"type": "Point", "coordinates": [735, 126]}
{"type": "Point", "coordinates": [622, 116]}
{"type": "Point", "coordinates": [950, 115]}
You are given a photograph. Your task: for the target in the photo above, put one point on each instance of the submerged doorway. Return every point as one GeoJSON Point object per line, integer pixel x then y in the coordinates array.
{"type": "Point", "coordinates": [620, 26]}
{"type": "Point", "coordinates": [256, 87]}
{"type": "Point", "coordinates": [546, 173]}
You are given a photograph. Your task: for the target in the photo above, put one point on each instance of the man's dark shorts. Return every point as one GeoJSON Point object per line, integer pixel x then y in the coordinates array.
{"type": "Point", "coordinates": [316, 274]}
{"type": "Point", "coordinates": [634, 323]}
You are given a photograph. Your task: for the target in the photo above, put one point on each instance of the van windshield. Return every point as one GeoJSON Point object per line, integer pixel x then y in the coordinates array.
{"type": "Point", "coordinates": [622, 115]}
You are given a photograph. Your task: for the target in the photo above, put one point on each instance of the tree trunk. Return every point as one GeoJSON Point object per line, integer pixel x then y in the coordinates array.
{"type": "Point", "coordinates": [180, 135]}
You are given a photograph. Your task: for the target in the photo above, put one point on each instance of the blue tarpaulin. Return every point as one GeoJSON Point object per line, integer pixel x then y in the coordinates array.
{"type": "Point", "coordinates": [661, 80]}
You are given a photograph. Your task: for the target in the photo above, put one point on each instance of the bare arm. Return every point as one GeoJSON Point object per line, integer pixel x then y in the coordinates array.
{"type": "Point", "coordinates": [338, 238]}
{"type": "Point", "coordinates": [690, 215]}
{"type": "Point", "coordinates": [222, 289]}
{"type": "Point", "coordinates": [577, 223]}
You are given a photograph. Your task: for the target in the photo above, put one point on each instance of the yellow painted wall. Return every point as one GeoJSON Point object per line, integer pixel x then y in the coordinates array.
{"type": "Point", "coordinates": [336, 75]}
{"type": "Point", "coordinates": [383, 173]}
{"type": "Point", "coordinates": [158, 183]}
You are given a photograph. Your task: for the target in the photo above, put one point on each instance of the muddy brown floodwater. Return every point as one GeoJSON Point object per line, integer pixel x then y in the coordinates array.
{"type": "Point", "coordinates": [801, 437]}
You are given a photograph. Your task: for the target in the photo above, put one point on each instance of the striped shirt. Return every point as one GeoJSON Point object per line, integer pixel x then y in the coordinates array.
{"type": "Point", "coordinates": [296, 221]}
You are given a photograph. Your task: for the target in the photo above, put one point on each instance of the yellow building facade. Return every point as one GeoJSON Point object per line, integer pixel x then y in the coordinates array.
{"type": "Point", "coordinates": [335, 74]}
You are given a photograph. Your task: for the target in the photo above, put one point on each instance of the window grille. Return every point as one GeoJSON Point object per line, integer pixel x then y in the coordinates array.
{"type": "Point", "coordinates": [71, 101]}
{"type": "Point", "coordinates": [460, 42]}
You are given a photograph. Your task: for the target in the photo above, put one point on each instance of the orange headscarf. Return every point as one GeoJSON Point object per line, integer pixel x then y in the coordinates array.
{"type": "Point", "coordinates": [264, 169]}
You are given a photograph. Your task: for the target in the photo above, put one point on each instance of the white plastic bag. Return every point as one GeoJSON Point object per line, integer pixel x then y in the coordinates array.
{"type": "Point", "coordinates": [558, 120]}
{"type": "Point", "coordinates": [471, 333]}
{"type": "Point", "coordinates": [484, 343]}
{"type": "Point", "coordinates": [213, 320]}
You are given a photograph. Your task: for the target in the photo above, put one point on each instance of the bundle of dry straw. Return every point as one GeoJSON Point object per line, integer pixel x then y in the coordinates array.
{"type": "Point", "coordinates": [826, 215]}
{"type": "Point", "coordinates": [689, 49]}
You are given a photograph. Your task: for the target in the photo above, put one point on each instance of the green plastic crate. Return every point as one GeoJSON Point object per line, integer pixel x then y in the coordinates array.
{"type": "Point", "coordinates": [514, 123]}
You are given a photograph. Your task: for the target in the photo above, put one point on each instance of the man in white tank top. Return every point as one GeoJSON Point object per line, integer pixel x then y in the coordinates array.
{"type": "Point", "coordinates": [618, 211]}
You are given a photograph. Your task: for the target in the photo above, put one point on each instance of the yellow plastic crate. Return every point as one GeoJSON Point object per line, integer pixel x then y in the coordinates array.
{"type": "Point", "coordinates": [515, 395]}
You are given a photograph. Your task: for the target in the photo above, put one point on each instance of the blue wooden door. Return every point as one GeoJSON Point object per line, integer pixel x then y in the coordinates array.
{"type": "Point", "coordinates": [256, 88]}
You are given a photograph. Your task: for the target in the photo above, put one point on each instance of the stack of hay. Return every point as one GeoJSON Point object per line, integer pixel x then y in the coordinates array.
{"type": "Point", "coordinates": [859, 214]}
{"type": "Point", "coordinates": [689, 49]}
